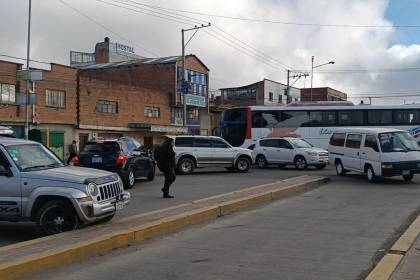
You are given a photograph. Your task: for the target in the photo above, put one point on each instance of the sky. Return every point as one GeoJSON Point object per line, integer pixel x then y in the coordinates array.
{"type": "Point", "coordinates": [372, 55]}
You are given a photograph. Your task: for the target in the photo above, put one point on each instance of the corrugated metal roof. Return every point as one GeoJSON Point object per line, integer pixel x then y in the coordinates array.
{"type": "Point", "coordinates": [158, 60]}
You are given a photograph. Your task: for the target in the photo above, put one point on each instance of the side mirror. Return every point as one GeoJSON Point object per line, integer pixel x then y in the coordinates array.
{"type": "Point", "coordinates": [5, 171]}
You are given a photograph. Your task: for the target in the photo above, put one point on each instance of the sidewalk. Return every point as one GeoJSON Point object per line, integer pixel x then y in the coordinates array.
{"type": "Point", "coordinates": [409, 268]}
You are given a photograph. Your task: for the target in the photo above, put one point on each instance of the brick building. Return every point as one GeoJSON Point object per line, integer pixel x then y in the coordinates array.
{"type": "Point", "coordinates": [322, 94]}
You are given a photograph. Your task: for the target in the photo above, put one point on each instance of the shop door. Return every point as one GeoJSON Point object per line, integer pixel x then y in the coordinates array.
{"type": "Point", "coordinates": [83, 139]}
{"type": "Point", "coordinates": [57, 143]}
{"type": "Point", "coordinates": [148, 142]}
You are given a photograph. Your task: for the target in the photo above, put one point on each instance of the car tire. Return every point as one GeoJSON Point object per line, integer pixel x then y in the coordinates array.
{"type": "Point", "coordinates": [320, 167]}
{"type": "Point", "coordinates": [56, 216]}
{"type": "Point", "coordinates": [151, 175]}
{"type": "Point", "coordinates": [261, 161]}
{"type": "Point", "coordinates": [408, 178]}
{"type": "Point", "coordinates": [186, 166]}
{"type": "Point", "coordinates": [242, 164]}
{"type": "Point", "coordinates": [370, 174]}
{"type": "Point", "coordinates": [339, 168]}
{"type": "Point", "coordinates": [300, 163]}
{"type": "Point", "coordinates": [130, 179]}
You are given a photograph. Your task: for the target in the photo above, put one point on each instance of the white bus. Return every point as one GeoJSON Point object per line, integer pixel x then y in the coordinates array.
{"type": "Point", "coordinates": [242, 126]}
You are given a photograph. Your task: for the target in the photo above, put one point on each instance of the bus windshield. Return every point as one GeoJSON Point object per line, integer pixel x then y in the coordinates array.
{"type": "Point", "coordinates": [397, 142]}
{"type": "Point", "coordinates": [233, 126]}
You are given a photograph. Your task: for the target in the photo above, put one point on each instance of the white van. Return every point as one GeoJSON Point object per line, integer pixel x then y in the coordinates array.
{"type": "Point", "coordinates": [375, 152]}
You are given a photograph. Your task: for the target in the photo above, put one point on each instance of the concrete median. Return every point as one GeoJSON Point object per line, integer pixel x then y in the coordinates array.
{"type": "Point", "coordinates": [26, 258]}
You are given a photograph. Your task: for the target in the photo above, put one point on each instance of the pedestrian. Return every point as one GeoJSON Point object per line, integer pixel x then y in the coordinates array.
{"type": "Point", "coordinates": [165, 157]}
{"type": "Point", "coordinates": [72, 151]}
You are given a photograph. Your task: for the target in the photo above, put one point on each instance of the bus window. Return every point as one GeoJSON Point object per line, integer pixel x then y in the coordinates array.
{"type": "Point", "coordinates": [406, 117]}
{"type": "Point", "coordinates": [322, 118]}
{"type": "Point", "coordinates": [261, 119]}
{"type": "Point", "coordinates": [380, 117]}
{"type": "Point", "coordinates": [350, 117]}
{"type": "Point", "coordinates": [294, 119]}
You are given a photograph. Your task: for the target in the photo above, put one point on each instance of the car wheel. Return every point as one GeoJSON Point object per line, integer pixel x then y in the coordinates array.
{"type": "Point", "coordinates": [339, 168]}
{"type": "Point", "coordinates": [261, 161]}
{"type": "Point", "coordinates": [151, 175]}
{"type": "Point", "coordinates": [408, 178]}
{"type": "Point", "coordinates": [242, 164]}
{"type": "Point", "coordinates": [320, 167]}
{"type": "Point", "coordinates": [56, 216]}
{"type": "Point", "coordinates": [130, 180]}
{"type": "Point", "coordinates": [186, 166]}
{"type": "Point", "coordinates": [300, 163]}
{"type": "Point", "coordinates": [370, 174]}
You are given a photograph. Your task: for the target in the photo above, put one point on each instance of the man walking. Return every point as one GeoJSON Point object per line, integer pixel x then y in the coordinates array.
{"type": "Point", "coordinates": [72, 151]}
{"type": "Point", "coordinates": [165, 157]}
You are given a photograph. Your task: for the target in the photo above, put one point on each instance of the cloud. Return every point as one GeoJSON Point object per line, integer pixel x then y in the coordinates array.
{"type": "Point", "coordinates": [58, 29]}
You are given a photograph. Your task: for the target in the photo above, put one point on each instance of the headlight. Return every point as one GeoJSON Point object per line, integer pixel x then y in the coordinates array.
{"type": "Point", "coordinates": [386, 166]}
{"type": "Point", "coordinates": [92, 189]}
{"type": "Point", "coordinates": [312, 153]}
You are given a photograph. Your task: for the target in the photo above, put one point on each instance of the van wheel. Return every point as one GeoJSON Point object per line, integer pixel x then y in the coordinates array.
{"type": "Point", "coordinates": [300, 163]}
{"type": "Point", "coordinates": [261, 161]}
{"type": "Point", "coordinates": [339, 168]}
{"type": "Point", "coordinates": [242, 164]}
{"type": "Point", "coordinates": [56, 216]}
{"type": "Point", "coordinates": [370, 174]}
{"type": "Point", "coordinates": [186, 166]}
{"type": "Point", "coordinates": [408, 178]}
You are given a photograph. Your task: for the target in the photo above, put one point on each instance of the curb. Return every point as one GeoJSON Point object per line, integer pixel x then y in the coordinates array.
{"type": "Point", "coordinates": [78, 251]}
{"type": "Point", "coordinates": [389, 263]}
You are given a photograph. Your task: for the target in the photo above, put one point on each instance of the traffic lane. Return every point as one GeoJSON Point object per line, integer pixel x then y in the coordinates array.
{"type": "Point", "coordinates": [333, 232]}
{"type": "Point", "coordinates": [147, 196]}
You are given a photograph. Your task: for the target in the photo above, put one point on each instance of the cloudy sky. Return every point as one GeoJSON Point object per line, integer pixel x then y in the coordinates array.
{"type": "Point", "coordinates": [375, 43]}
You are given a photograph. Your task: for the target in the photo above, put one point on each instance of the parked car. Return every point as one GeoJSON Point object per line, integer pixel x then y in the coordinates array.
{"type": "Point", "coordinates": [375, 152]}
{"type": "Point", "coordinates": [36, 186]}
{"type": "Point", "coordinates": [284, 151]}
{"type": "Point", "coordinates": [124, 156]}
{"type": "Point", "coordinates": [204, 151]}
{"type": "Point", "coordinates": [6, 132]}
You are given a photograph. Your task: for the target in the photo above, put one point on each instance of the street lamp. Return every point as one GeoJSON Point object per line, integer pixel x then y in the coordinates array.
{"type": "Point", "coordinates": [312, 71]}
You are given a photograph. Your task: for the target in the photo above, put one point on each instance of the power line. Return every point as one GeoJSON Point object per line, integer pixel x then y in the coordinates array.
{"type": "Point", "coordinates": [279, 21]}
{"type": "Point", "coordinates": [106, 28]}
{"type": "Point", "coordinates": [20, 58]}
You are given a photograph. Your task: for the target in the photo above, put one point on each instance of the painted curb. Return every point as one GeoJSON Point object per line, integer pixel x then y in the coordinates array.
{"type": "Point", "coordinates": [81, 250]}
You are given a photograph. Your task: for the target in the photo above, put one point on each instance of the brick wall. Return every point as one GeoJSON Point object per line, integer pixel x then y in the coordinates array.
{"type": "Point", "coordinates": [10, 113]}
{"type": "Point", "coordinates": [131, 102]}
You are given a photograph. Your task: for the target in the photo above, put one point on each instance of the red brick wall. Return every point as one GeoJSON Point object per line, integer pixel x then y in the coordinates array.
{"type": "Point", "coordinates": [318, 94]}
{"type": "Point", "coordinates": [131, 102]}
{"type": "Point", "coordinates": [10, 113]}
{"type": "Point", "coordinates": [192, 63]}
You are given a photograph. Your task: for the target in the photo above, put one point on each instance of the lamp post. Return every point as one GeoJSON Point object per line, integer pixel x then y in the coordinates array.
{"type": "Point", "coordinates": [28, 47]}
{"type": "Point", "coordinates": [312, 71]}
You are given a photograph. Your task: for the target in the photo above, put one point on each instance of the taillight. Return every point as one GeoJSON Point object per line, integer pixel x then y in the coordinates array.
{"type": "Point", "coordinates": [121, 160]}
{"type": "Point", "coordinates": [76, 161]}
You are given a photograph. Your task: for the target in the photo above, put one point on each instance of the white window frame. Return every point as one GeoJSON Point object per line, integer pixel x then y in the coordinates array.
{"type": "Point", "coordinates": [152, 112]}
{"type": "Point", "coordinates": [55, 98]}
{"type": "Point", "coordinates": [11, 93]}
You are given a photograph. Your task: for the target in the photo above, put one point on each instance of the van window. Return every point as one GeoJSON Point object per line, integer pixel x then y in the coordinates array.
{"type": "Point", "coordinates": [338, 139]}
{"type": "Point", "coordinates": [370, 142]}
{"type": "Point", "coordinates": [184, 142]}
{"type": "Point", "coordinates": [353, 141]}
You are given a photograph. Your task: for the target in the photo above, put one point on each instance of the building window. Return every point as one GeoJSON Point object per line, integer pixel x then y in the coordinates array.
{"type": "Point", "coordinates": [55, 98]}
{"type": "Point", "coordinates": [270, 96]}
{"type": "Point", "coordinates": [110, 107]}
{"type": "Point", "coordinates": [193, 114]}
{"type": "Point", "coordinates": [151, 112]}
{"type": "Point", "coordinates": [7, 93]}
{"type": "Point", "coordinates": [280, 99]}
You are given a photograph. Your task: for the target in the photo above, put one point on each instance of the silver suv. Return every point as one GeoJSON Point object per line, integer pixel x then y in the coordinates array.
{"type": "Point", "coordinates": [205, 151]}
{"type": "Point", "coordinates": [36, 186]}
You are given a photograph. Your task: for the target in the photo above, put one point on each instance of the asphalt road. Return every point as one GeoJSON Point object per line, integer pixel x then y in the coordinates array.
{"type": "Point", "coordinates": [146, 196]}
{"type": "Point", "coordinates": [334, 232]}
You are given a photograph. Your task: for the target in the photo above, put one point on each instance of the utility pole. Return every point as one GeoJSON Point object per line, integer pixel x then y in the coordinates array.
{"type": "Point", "coordinates": [27, 70]}
{"type": "Point", "coordinates": [288, 87]}
{"type": "Point", "coordinates": [296, 76]}
{"type": "Point", "coordinates": [312, 75]}
{"type": "Point", "coordinates": [184, 85]}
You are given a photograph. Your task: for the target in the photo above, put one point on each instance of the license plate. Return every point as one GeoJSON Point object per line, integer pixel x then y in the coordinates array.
{"type": "Point", "coordinates": [97, 160]}
{"type": "Point", "coordinates": [406, 172]}
{"type": "Point", "coordinates": [119, 206]}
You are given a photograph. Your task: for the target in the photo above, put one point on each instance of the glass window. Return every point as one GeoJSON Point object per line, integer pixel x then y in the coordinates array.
{"type": "Point", "coordinates": [105, 147]}
{"type": "Point", "coordinates": [269, 143]}
{"type": "Point", "coordinates": [184, 142]}
{"type": "Point", "coordinates": [202, 142]}
{"type": "Point", "coordinates": [110, 107]}
{"type": "Point", "coordinates": [406, 117]}
{"type": "Point", "coordinates": [270, 96]}
{"type": "Point", "coordinates": [193, 114]}
{"type": "Point", "coordinates": [3, 161]}
{"type": "Point", "coordinates": [380, 117]}
{"type": "Point", "coordinates": [370, 142]}
{"type": "Point", "coordinates": [55, 98]}
{"type": "Point", "coordinates": [265, 119]}
{"type": "Point", "coordinates": [353, 141]}
{"type": "Point", "coordinates": [338, 139]}
{"type": "Point", "coordinates": [300, 143]}
{"type": "Point", "coordinates": [218, 144]}
{"type": "Point", "coordinates": [280, 98]}
{"type": "Point", "coordinates": [397, 142]}
{"type": "Point", "coordinates": [151, 112]}
{"type": "Point", "coordinates": [350, 117]}
{"type": "Point", "coordinates": [319, 118]}
{"type": "Point", "coordinates": [293, 119]}
{"type": "Point", "coordinates": [283, 144]}
{"type": "Point", "coordinates": [7, 93]}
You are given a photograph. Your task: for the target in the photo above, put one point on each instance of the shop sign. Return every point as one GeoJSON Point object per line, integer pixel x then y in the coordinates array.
{"type": "Point", "coordinates": [124, 48]}
{"type": "Point", "coordinates": [195, 100]}
{"type": "Point", "coordinates": [32, 75]}
{"type": "Point", "coordinates": [168, 129]}
{"type": "Point", "coordinates": [139, 125]}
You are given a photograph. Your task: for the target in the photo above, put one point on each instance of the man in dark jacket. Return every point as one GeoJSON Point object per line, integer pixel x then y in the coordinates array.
{"type": "Point", "coordinates": [165, 157]}
{"type": "Point", "coordinates": [72, 151]}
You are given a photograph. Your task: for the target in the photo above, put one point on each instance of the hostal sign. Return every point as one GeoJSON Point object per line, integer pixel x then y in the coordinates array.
{"type": "Point", "coordinates": [124, 48]}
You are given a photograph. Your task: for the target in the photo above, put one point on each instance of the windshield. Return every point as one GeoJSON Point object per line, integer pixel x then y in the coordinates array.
{"type": "Point", "coordinates": [29, 157]}
{"type": "Point", "coordinates": [300, 143]}
{"type": "Point", "coordinates": [397, 142]}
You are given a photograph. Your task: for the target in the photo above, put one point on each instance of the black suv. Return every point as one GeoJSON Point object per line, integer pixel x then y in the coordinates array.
{"type": "Point", "coordinates": [125, 156]}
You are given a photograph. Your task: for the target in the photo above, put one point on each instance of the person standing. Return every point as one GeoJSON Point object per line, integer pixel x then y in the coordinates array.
{"type": "Point", "coordinates": [72, 151]}
{"type": "Point", "coordinates": [165, 157]}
